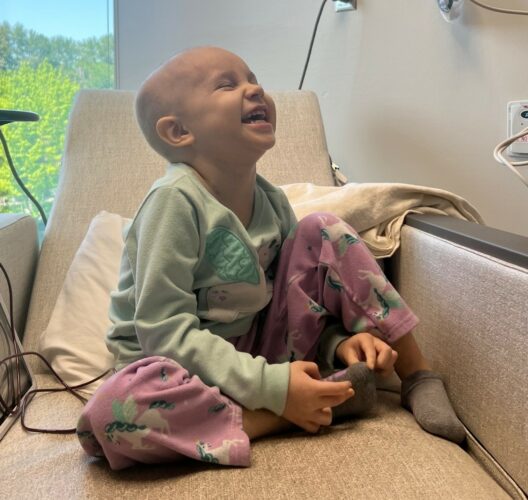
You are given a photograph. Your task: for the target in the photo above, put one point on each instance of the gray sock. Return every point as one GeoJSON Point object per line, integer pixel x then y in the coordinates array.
{"type": "Point", "coordinates": [364, 385]}
{"type": "Point", "coordinates": [424, 394]}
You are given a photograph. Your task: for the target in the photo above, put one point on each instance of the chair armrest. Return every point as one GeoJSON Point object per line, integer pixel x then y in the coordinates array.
{"type": "Point", "coordinates": [468, 284]}
{"type": "Point", "coordinates": [508, 247]}
{"type": "Point", "coordinates": [18, 254]}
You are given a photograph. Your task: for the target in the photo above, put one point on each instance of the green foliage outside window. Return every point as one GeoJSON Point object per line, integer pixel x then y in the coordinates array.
{"type": "Point", "coordinates": [42, 75]}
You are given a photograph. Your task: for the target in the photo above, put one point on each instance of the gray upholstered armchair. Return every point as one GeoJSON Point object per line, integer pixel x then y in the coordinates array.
{"type": "Point", "coordinates": [467, 283]}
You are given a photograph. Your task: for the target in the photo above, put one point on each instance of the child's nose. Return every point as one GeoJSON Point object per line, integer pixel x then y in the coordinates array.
{"type": "Point", "coordinates": [254, 89]}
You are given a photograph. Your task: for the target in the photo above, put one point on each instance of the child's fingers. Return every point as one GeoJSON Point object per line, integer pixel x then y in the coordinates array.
{"type": "Point", "coordinates": [369, 351]}
{"type": "Point", "coordinates": [333, 388]}
{"type": "Point", "coordinates": [321, 417]}
{"type": "Point", "coordinates": [310, 368]}
{"type": "Point", "coordinates": [386, 372]}
{"type": "Point", "coordinates": [324, 416]}
{"type": "Point", "coordinates": [316, 419]}
{"type": "Point", "coordinates": [350, 357]}
{"type": "Point", "coordinates": [384, 357]}
{"type": "Point", "coordinates": [334, 394]}
{"type": "Point", "coordinates": [311, 427]}
{"type": "Point", "coordinates": [331, 401]}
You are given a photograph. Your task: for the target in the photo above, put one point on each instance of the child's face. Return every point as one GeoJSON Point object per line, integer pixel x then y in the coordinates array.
{"type": "Point", "coordinates": [225, 109]}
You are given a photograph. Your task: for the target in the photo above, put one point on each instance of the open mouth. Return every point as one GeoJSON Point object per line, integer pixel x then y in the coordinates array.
{"type": "Point", "coordinates": [258, 115]}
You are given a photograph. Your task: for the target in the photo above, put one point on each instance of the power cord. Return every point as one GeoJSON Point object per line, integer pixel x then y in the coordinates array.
{"type": "Point", "coordinates": [314, 32]}
{"type": "Point", "coordinates": [23, 402]}
{"type": "Point", "coordinates": [12, 390]}
{"type": "Point", "coordinates": [20, 403]}
{"type": "Point", "coordinates": [19, 180]}
{"type": "Point", "coordinates": [339, 178]}
{"type": "Point", "coordinates": [500, 9]}
{"type": "Point", "coordinates": [497, 153]}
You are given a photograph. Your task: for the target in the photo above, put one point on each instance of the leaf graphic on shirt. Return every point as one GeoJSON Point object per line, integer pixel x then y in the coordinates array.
{"type": "Point", "coordinates": [230, 257]}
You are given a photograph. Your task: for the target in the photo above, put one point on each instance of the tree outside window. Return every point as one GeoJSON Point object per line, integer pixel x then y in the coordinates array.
{"type": "Point", "coordinates": [42, 74]}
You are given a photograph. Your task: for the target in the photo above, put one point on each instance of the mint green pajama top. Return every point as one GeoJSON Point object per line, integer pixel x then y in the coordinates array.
{"type": "Point", "coordinates": [193, 276]}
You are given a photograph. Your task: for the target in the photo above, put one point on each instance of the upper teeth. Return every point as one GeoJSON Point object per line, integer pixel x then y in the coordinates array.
{"type": "Point", "coordinates": [256, 115]}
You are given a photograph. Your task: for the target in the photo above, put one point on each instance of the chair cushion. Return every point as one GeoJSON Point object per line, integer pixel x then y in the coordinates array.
{"type": "Point", "coordinates": [383, 456]}
{"type": "Point", "coordinates": [74, 340]}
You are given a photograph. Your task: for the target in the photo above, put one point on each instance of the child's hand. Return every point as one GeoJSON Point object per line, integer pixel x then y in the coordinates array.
{"type": "Point", "coordinates": [310, 400]}
{"type": "Point", "coordinates": [378, 355]}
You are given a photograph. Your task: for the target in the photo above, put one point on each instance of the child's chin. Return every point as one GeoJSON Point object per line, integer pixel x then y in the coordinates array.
{"type": "Point", "coordinates": [272, 143]}
{"type": "Point", "coordinates": [270, 140]}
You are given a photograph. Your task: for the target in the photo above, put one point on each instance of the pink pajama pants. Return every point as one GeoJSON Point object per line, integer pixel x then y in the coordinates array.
{"type": "Point", "coordinates": [155, 411]}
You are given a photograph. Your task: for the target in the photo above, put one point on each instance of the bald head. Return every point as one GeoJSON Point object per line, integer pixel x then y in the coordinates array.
{"type": "Point", "coordinates": [165, 91]}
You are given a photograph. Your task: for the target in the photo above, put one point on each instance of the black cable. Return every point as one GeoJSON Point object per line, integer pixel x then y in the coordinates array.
{"type": "Point", "coordinates": [23, 403]}
{"type": "Point", "coordinates": [19, 180]}
{"type": "Point", "coordinates": [311, 43]}
{"type": "Point", "coordinates": [20, 403]}
{"type": "Point", "coordinates": [15, 391]}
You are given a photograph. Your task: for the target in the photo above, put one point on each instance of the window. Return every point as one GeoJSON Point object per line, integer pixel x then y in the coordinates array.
{"type": "Point", "coordinates": [48, 51]}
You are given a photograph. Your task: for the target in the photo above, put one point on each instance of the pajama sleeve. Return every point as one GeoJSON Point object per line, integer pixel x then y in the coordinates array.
{"type": "Point", "coordinates": [167, 245]}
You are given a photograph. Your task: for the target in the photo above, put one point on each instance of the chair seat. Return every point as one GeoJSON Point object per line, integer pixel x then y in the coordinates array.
{"type": "Point", "coordinates": [384, 455]}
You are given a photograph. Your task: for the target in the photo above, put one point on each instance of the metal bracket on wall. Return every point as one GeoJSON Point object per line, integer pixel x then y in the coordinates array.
{"type": "Point", "coordinates": [342, 5]}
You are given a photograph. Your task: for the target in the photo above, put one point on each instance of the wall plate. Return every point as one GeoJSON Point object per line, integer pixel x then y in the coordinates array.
{"type": "Point", "coordinates": [450, 9]}
{"type": "Point", "coordinates": [517, 121]}
{"type": "Point", "coordinates": [341, 6]}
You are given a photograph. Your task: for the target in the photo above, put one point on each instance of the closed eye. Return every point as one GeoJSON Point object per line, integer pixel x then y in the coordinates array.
{"type": "Point", "coordinates": [225, 85]}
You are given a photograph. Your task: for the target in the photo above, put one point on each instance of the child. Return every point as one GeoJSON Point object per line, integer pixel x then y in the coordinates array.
{"type": "Point", "coordinates": [223, 298]}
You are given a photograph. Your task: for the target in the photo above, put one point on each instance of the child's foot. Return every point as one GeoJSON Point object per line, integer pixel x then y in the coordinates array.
{"type": "Point", "coordinates": [364, 385]}
{"type": "Point", "coordinates": [261, 423]}
{"type": "Point", "coordinates": [424, 394]}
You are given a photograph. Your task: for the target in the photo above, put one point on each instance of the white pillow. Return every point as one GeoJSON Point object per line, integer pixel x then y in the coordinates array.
{"type": "Point", "coordinates": [74, 341]}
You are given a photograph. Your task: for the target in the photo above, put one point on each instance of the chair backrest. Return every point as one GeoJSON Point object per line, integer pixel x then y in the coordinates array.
{"type": "Point", "coordinates": [107, 165]}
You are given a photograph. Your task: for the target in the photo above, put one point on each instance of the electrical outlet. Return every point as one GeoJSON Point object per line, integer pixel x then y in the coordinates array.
{"type": "Point", "coordinates": [517, 121]}
{"type": "Point", "coordinates": [341, 6]}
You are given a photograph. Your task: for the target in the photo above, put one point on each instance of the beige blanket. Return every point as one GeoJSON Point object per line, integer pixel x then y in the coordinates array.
{"type": "Point", "coordinates": [377, 210]}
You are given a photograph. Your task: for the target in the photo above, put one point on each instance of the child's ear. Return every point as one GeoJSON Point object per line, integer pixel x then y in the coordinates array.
{"type": "Point", "coordinates": [172, 131]}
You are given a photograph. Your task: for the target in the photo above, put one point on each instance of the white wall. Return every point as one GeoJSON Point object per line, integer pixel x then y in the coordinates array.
{"type": "Point", "coordinates": [405, 96]}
